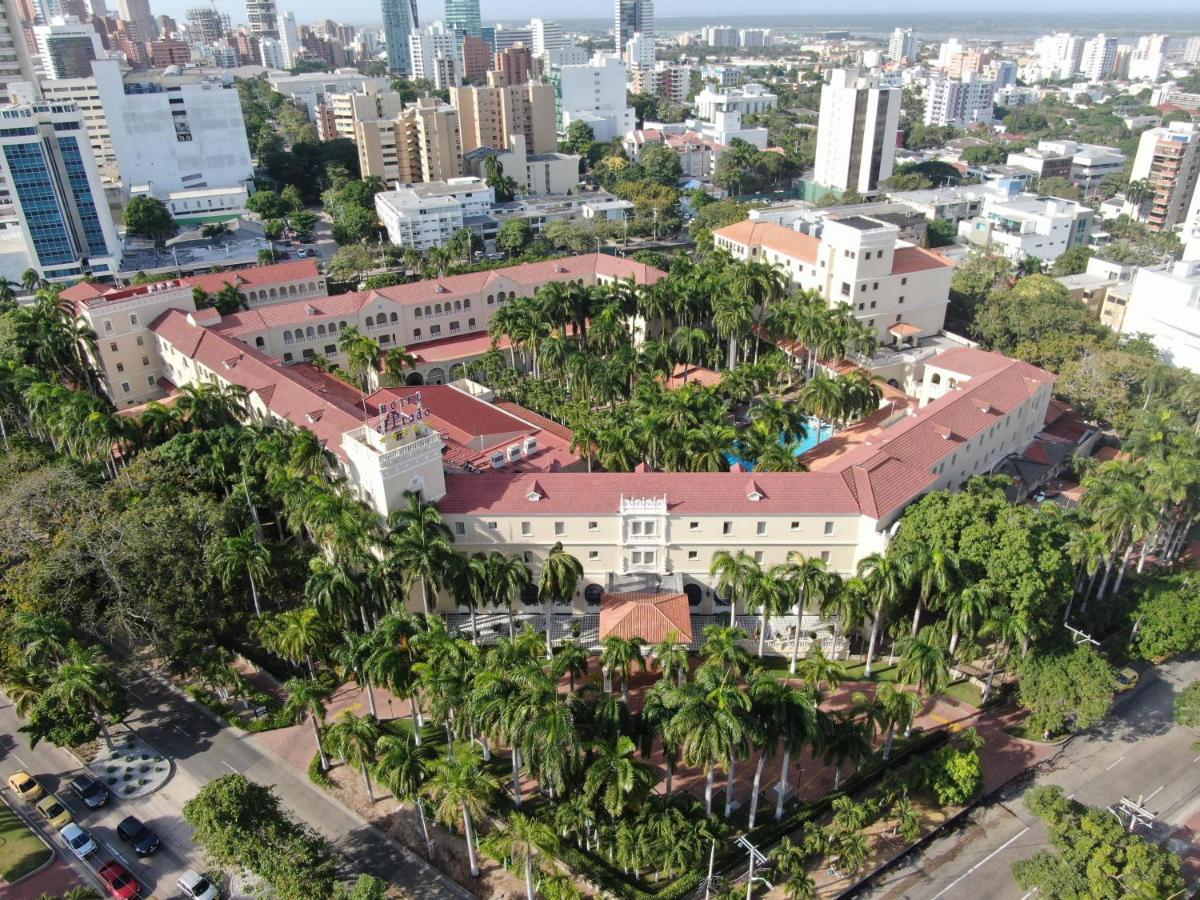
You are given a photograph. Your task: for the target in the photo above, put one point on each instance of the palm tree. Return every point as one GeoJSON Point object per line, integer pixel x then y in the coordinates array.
{"type": "Point", "coordinates": [935, 573]}
{"type": "Point", "coordinates": [84, 679]}
{"type": "Point", "coordinates": [819, 670]}
{"type": "Point", "coordinates": [460, 787]}
{"type": "Point", "coordinates": [570, 660]}
{"type": "Point", "coordinates": [353, 656]}
{"type": "Point", "coordinates": [712, 725]}
{"type": "Point", "coordinates": [769, 592]}
{"type": "Point", "coordinates": [887, 577]}
{"type": "Point", "coordinates": [402, 765]}
{"type": "Point", "coordinates": [510, 576]}
{"type": "Point", "coordinates": [619, 655]}
{"type": "Point", "coordinates": [723, 649]}
{"type": "Point", "coordinates": [965, 609]}
{"type": "Point", "coordinates": [295, 635]}
{"type": "Point", "coordinates": [897, 709]}
{"type": "Point", "coordinates": [40, 637]}
{"type": "Point", "coordinates": [923, 661]}
{"type": "Point", "coordinates": [556, 583]}
{"type": "Point", "coordinates": [354, 738]}
{"type": "Point", "coordinates": [671, 658]}
{"type": "Point", "coordinates": [844, 741]}
{"type": "Point", "coordinates": [242, 554]}
{"type": "Point", "coordinates": [522, 838]}
{"type": "Point", "coordinates": [615, 781]}
{"type": "Point", "coordinates": [773, 709]}
{"type": "Point", "coordinates": [306, 700]}
{"type": "Point", "coordinates": [805, 575]}
{"type": "Point", "coordinates": [421, 546]}
{"type": "Point", "coordinates": [734, 573]}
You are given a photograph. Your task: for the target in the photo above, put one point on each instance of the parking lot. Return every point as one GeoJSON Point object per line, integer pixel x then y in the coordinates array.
{"type": "Point", "coordinates": [54, 769]}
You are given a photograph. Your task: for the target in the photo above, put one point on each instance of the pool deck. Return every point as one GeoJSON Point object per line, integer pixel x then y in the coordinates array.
{"type": "Point", "coordinates": [827, 453]}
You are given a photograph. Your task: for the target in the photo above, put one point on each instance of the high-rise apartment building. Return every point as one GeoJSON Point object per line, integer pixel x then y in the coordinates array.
{"type": "Point", "coordinates": [15, 63]}
{"type": "Point", "coordinates": [1168, 159]}
{"type": "Point", "coordinates": [463, 17]}
{"type": "Point", "coordinates": [489, 116]}
{"type": "Point", "coordinates": [207, 24]}
{"type": "Point", "coordinates": [55, 192]}
{"type": "Point", "coordinates": [513, 66]}
{"type": "Point", "coordinates": [422, 143]}
{"type": "Point", "coordinates": [856, 134]}
{"type": "Point", "coordinates": [434, 54]}
{"type": "Point", "coordinates": [902, 46]}
{"type": "Point", "coordinates": [476, 58]}
{"type": "Point", "coordinates": [1149, 57]}
{"type": "Point", "coordinates": [263, 18]}
{"type": "Point", "coordinates": [632, 17]}
{"type": "Point", "coordinates": [1058, 54]}
{"type": "Point", "coordinates": [593, 94]}
{"type": "Point", "coordinates": [66, 47]}
{"type": "Point", "coordinates": [546, 36]}
{"type": "Point", "coordinates": [719, 36]}
{"type": "Point", "coordinates": [289, 39]}
{"type": "Point", "coordinates": [399, 21]}
{"type": "Point", "coordinates": [142, 27]}
{"type": "Point", "coordinates": [1099, 58]}
{"type": "Point", "coordinates": [959, 102]}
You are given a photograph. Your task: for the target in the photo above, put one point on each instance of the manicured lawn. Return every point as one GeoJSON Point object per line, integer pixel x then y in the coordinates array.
{"type": "Point", "coordinates": [21, 851]}
{"type": "Point", "coordinates": [965, 692]}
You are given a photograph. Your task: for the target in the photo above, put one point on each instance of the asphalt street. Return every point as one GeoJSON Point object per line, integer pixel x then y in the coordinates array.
{"type": "Point", "coordinates": [1138, 752]}
{"type": "Point", "coordinates": [202, 749]}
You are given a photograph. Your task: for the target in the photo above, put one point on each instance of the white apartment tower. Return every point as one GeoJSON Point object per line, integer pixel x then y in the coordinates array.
{"type": "Point", "coordinates": [289, 39]}
{"type": "Point", "coordinates": [546, 36]}
{"type": "Point", "coordinates": [66, 47]}
{"type": "Point", "coordinates": [1149, 57]}
{"type": "Point", "coordinates": [632, 17]}
{"type": "Point", "coordinates": [902, 46]}
{"type": "Point", "coordinates": [15, 64]}
{"type": "Point", "coordinates": [963, 102]}
{"type": "Point", "coordinates": [1099, 58]}
{"type": "Point", "coordinates": [856, 132]}
{"type": "Point", "coordinates": [1058, 54]}
{"type": "Point", "coordinates": [434, 54]}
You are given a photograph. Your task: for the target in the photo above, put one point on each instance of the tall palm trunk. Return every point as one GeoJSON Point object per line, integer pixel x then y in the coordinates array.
{"type": "Point", "coordinates": [320, 748]}
{"type": "Point", "coordinates": [891, 735]}
{"type": "Point", "coordinates": [916, 626]}
{"type": "Point", "coordinates": [708, 790]}
{"type": "Point", "coordinates": [781, 788]}
{"type": "Point", "coordinates": [796, 637]}
{"type": "Point", "coordinates": [469, 833]}
{"type": "Point", "coordinates": [732, 610]}
{"type": "Point", "coordinates": [367, 778]}
{"type": "Point", "coordinates": [254, 593]}
{"type": "Point", "coordinates": [549, 622]}
{"type": "Point", "coordinates": [420, 804]}
{"type": "Point", "coordinates": [366, 684]}
{"type": "Point", "coordinates": [474, 627]}
{"type": "Point", "coordinates": [758, 770]}
{"type": "Point", "coordinates": [516, 775]}
{"type": "Point", "coordinates": [1124, 568]}
{"type": "Point", "coordinates": [876, 627]}
{"type": "Point", "coordinates": [528, 875]}
{"type": "Point", "coordinates": [729, 788]}
{"type": "Point", "coordinates": [762, 630]}
{"type": "Point", "coordinates": [425, 595]}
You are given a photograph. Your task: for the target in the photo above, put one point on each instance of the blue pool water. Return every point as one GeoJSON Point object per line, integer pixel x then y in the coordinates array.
{"type": "Point", "coordinates": [818, 431]}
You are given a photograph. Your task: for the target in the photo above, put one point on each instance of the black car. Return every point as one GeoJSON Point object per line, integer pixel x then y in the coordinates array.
{"type": "Point", "coordinates": [90, 791]}
{"type": "Point", "coordinates": [142, 839]}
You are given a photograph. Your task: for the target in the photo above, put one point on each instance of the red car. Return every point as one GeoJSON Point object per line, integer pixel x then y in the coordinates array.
{"type": "Point", "coordinates": [120, 881]}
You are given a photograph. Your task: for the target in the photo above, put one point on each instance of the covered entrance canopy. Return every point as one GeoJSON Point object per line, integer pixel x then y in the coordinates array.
{"type": "Point", "coordinates": [651, 617]}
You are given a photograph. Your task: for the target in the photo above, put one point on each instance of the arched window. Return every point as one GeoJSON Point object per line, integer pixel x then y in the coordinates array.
{"type": "Point", "coordinates": [457, 306]}
{"type": "Point", "coordinates": [309, 333]}
{"type": "Point", "coordinates": [428, 311]}
{"type": "Point", "coordinates": [467, 303]}
{"type": "Point", "coordinates": [491, 299]}
{"type": "Point", "coordinates": [259, 342]}
{"type": "Point", "coordinates": [341, 324]}
{"type": "Point", "coordinates": [936, 379]}
{"type": "Point", "coordinates": [311, 286]}
{"type": "Point", "coordinates": [437, 309]}
{"type": "Point", "coordinates": [370, 321]}
{"type": "Point", "coordinates": [321, 330]}
{"type": "Point", "coordinates": [333, 329]}
{"type": "Point", "coordinates": [287, 336]}
{"type": "Point", "coordinates": [291, 290]}
{"type": "Point", "coordinates": [274, 294]}
{"type": "Point", "coordinates": [416, 312]}
{"type": "Point", "coordinates": [394, 318]}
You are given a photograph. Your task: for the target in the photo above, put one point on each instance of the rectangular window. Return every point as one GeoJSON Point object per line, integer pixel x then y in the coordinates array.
{"type": "Point", "coordinates": [526, 528]}
{"type": "Point", "coordinates": [592, 526]}
{"type": "Point", "coordinates": [120, 367]}
{"type": "Point", "coordinates": [726, 528]}
{"type": "Point", "coordinates": [758, 556]}
{"type": "Point", "coordinates": [528, 555]}
{"type": "Point", "coordinates": [902, 299]}
{"type": "Point", "coordinates": [560, 528]}
{"type": "Point", "coordinates": [795, 526]}
{"type": "Point", "coordinates": [897, 317]}
{"type": "Point", "coordinates": [416, 332]}
{"type": "Point", "coordinates": [829, 528]}
{"type": "Point", "coordinates": [460, 528]}
{"type": "Point", "coordinates": [150, 380]}
{"type": "Point", "coordinates": [904, 281]}
{"type": "Point", "coordinates": [140, 341]}
{"type": "Point", "coordinates": [824, 556]}
{"type": "Point", "coordinates": [491, 526]}
{"type": "Point", "coordinates": [107, 326]}
{"type": "Point", "coordinates": [133, 319]}
{"type": "Point", "coordinates": [873, 304]}
{"type": "Point", "coordinates": [593, 554]}
{"type": "Point", "coordinates": [693, 526]}
{"type": "Point", "coordinates": [112, 347]}
{"type": "Point", "coordinates": [145, 360]}
{"type": "Point", "coordinates": [125, 386]}
{"type": "Point", "coordinates": [693, 554]}
{"type": "Point", "coordinates": [760, 528]}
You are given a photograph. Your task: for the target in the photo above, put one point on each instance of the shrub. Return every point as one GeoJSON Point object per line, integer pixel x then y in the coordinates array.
{"type": "Point", "coordinates": [315, 775]}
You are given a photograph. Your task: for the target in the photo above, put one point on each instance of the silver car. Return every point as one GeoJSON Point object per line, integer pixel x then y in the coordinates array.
{"type": "Point", "coordinates": [192, 884]}
{"type": "Point", "coordinates": [81, 843]}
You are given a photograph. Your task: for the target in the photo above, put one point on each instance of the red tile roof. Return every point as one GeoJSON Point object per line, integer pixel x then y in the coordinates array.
{"type": "Point", "coordinates": [279, 273]}
{"type": "Point", "coordinates": [652, 617]}
{"type": "Point", "coordinates": [305, 397]}
{"type": "Point", "coordinates": [687, 493]}
{"type": "Point", "coordinates": [916, 259]}
{"type": "Point", "coordinates": [277, 315]}
{"type": "Point", "coordinates": [774, 237]}
{"type": "Point", "coordinates": [970, 362]}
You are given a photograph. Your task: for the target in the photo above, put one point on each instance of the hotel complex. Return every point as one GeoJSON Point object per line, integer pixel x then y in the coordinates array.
{"type": "Point", "coordinates": [505, 477]}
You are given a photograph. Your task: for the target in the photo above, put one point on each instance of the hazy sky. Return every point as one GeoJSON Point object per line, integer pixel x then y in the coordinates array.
{"type": "Point", "coordinates": [367, 11]}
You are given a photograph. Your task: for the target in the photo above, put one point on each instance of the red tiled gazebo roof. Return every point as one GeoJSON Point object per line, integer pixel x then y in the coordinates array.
{"type": "Point", "coordinates": [651, 617]}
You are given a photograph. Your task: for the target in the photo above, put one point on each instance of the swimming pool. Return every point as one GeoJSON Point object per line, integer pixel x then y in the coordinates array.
{"type": "Point", "coordinates": [818, 431]}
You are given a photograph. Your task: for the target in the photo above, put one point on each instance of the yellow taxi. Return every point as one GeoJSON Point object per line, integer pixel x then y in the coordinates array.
{"type": "Point", "coordinates": [53, 811]}
{"type": "Point", "coordinates": [25, 786]}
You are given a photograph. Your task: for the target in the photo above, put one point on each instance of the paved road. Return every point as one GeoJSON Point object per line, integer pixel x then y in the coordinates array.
{"type": "Point", "coordinates": [202, 749]}
{"type": "Point", "coordinates": [1138, 751]}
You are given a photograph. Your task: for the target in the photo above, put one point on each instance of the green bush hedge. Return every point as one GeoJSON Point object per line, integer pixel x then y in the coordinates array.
{"type": "Point", "coordinates": [315, 775]}
{"type": "Point", "coordinates": [272, 720]}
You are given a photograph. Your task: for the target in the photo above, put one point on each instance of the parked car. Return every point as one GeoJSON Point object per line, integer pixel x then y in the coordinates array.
{"type": "Point", "coordinates": [192, 884]}
{"type": "Point", "coordinates": [81, 843]}
{"type": "Point", "coordinates": [133, 832]}
{"type": "Point", "coordinates": [53, 811]}
{"type": "Point", "coordinates": [1127, 680]}
{"type": "Point", "coordinates": [119, 881]}
{"type": "Point", "coordinates": [26, 786]}
{"type": "Point", "coordinates": [303, 253]}
{"type": "Point", "coordinates": [90, 791]}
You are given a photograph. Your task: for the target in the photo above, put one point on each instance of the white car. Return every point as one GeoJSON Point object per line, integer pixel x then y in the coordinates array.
{"type": "Point", "coordinates": [81, 843]}
{"type": "Point", "coordinates": [196, 886]}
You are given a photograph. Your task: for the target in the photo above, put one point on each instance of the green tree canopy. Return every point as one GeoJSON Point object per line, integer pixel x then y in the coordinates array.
{"type": "Point", "coordinates": [1066, 690]}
